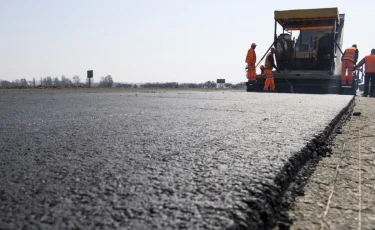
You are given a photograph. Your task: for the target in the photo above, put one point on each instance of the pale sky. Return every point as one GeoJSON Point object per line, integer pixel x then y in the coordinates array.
{"type": "Point", "coordinates": [151, 40]}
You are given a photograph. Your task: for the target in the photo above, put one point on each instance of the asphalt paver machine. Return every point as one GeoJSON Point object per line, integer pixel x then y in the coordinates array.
{"type": "Point", "coordinates": [308, 53]}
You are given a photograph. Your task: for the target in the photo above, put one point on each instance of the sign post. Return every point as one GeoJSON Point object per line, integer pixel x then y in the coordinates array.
{"type": "Point", "coordinates": [220, 82]}
{"type": "Point", "coordinates": [90, 74]}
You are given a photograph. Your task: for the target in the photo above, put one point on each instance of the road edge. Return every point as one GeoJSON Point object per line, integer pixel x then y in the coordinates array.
{"type": "Point", "coordinates": [303, 164]}
{"type": "Point", "coordinates": [289, 182]}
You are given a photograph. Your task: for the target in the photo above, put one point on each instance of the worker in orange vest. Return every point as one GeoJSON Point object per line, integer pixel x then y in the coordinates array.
{"type": "Point", "coordinates": [251, 59]}
{"type": "Point", "coordinates": [348, 60]}
{"type": "Point", "coordinates": [369, 62]}
{"type": "Point", "coordinates": [269, 64]}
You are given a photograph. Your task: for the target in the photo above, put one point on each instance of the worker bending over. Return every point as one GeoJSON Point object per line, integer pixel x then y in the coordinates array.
{"type": "Point", "coordinates": [348, 60]}
{"type": "Point", "coordinates": [269, 64]}
{"type": "Point", "coordinates": [261, 70]}
{"type": "Point", "coordinates": [251, 59]}
{"type": "Point", "coordinates": [369, 62]}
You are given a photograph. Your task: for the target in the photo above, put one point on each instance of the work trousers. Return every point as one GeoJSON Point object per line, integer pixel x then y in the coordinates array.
{"type": "Point", "coordinates": [369, 76]}
{"type": "Point", "coordinates": [270, 82]}
{"type": "Point", "coordinates": [347, 65]}
{"type": "Point", "coordinates": [251, 71]}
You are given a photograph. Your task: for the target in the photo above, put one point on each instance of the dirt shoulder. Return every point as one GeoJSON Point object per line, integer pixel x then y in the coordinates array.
{"type": "Point", "coordinates": [340, 193]}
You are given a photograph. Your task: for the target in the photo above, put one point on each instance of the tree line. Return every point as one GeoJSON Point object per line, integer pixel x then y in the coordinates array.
{"type": "Point", "coordinates": [62, 81]}
{"type": "Point", "coordinates": [107, 81]}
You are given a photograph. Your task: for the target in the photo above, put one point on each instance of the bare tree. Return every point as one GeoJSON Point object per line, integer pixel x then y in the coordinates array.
{"type": "Point", "coordinates": [56, 81]}
{"type": "Point", "coordinates": [106, 81]}
{"type": "Point", "coordinates": [76, 80]}
{"type": "Point", "coordinates": [23, 82]}
{"type": "Point", "coordinates": [210, 84]}
{"type": "Point", "coordinates": [17, 82]}
{"type": "Point", "coordinates": [48, 81]}
{"type": "Point", "coordinates": [68, 82]}
{"type": "Point", "coordinates": [65, 82]}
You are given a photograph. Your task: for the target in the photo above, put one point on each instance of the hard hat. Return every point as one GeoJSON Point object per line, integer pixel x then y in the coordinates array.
{"type": "Point", "coordinates": [253, 44]}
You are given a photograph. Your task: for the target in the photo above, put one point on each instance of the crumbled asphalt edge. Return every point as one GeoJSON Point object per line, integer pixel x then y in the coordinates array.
{"type": "Point", "coordinates": [277, 199]}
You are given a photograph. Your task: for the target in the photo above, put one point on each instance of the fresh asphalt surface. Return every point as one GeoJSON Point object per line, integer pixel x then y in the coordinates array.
{"type": "Point", "coordinates": [138, 160]}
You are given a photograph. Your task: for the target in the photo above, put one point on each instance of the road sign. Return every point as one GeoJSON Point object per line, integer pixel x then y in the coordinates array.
{"type": "Point", "coordinates": [90, 74]}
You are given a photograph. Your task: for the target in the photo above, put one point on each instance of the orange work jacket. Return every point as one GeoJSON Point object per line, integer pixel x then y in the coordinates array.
{"type": "Point", "coordinates": [349, 54]}
{"type": "Point", "coordinates": [370, 63]}
{"type": "Point", "coordinates": [251, 57]}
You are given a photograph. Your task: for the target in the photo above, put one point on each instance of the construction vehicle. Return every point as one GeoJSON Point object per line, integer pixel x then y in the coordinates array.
{"type": "Point", "coordinates": [312, 62]}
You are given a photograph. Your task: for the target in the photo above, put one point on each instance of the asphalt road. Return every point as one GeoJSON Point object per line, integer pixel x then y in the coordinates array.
{"type": "Point", "coordinates": [138, 160]}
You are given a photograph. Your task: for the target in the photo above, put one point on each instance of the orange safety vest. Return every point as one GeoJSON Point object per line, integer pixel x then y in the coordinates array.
{"type": "Point", "coordinates": [251, 57]}
{"type": "Point", "coordinates": [370, 63]}
{"type": "Point", "coordinates": [268, 73]}
{"type": "Point", "coordinates": [267, 64]}
{"type": "Point", "coordinates": [349, 54]}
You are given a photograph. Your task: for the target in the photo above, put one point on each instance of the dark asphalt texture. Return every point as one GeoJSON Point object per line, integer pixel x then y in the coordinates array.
{"type": "Point", "coordinates": [165, 160]}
